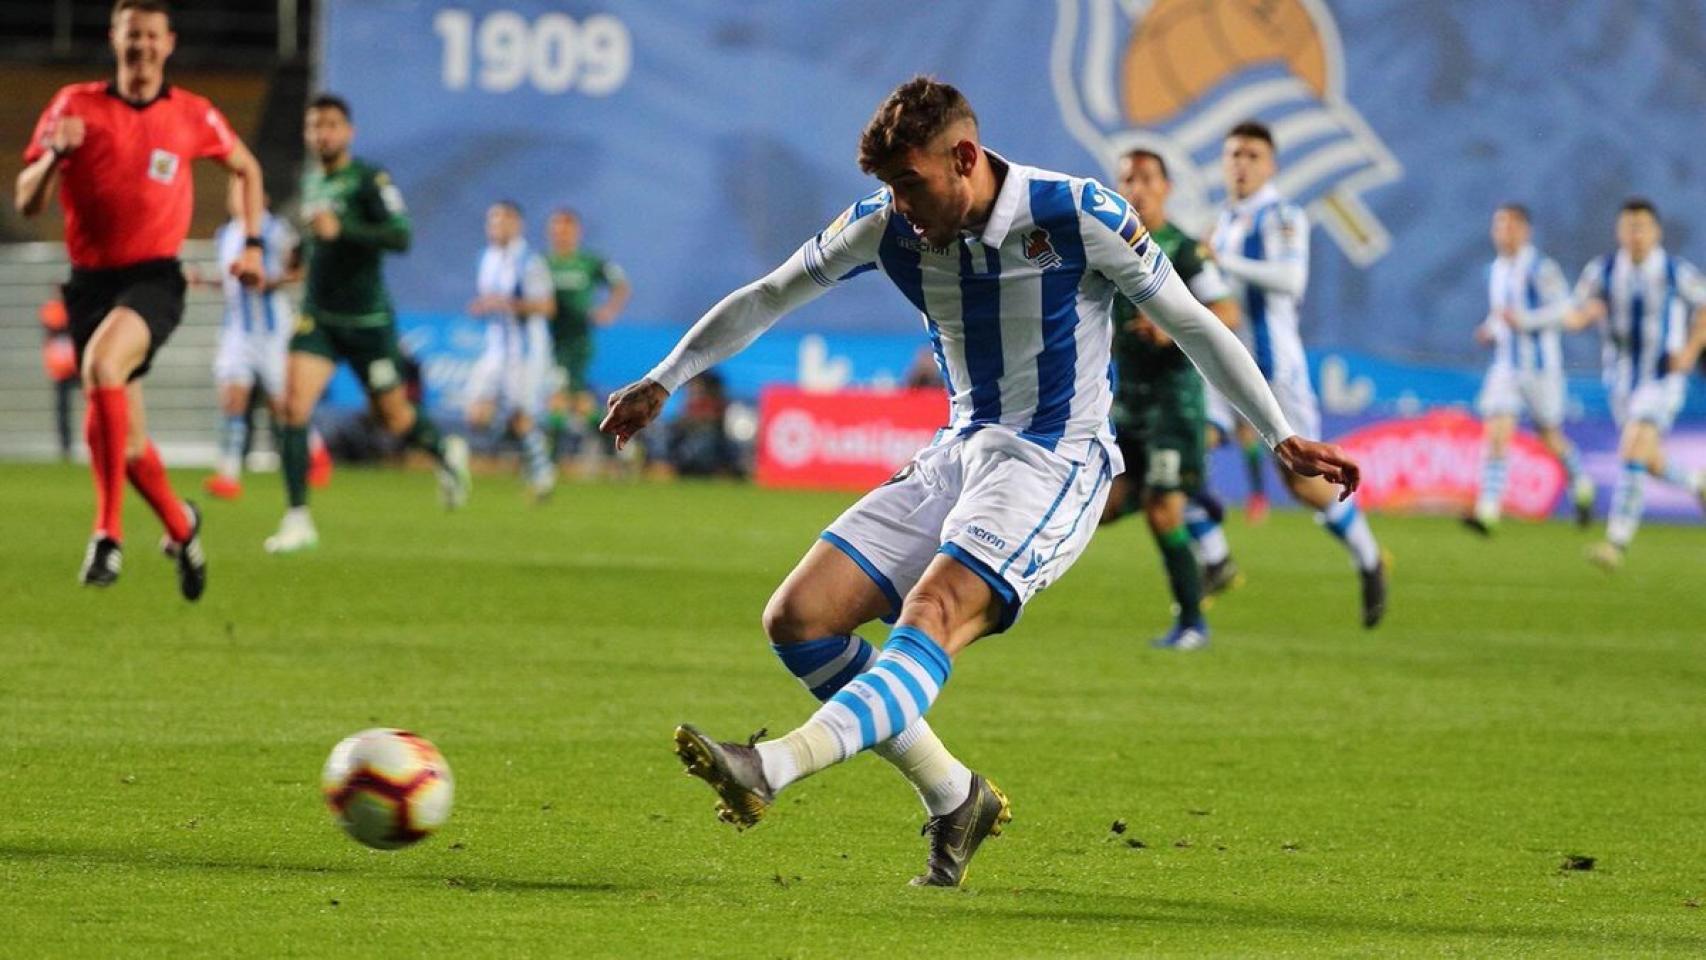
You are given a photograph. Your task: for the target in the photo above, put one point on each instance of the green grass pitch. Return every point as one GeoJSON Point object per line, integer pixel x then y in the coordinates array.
{"type": "Point", "coordinates": [1303, 788]}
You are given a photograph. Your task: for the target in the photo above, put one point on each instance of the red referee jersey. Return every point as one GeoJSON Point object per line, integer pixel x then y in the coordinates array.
{"type": "Point", "coordinates": [126, 191]}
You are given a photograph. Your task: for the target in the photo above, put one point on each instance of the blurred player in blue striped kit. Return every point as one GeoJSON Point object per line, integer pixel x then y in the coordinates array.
{"type": "Point", "coordinates": [254, 337]}
{"type": "Point", "coordinates": [1013, 270]}
{"type": "Point", "coordinates": [1261, 243]}
{"type": "Point", "coordinates": [1644, 300]}
{"type": "Point", "coordinates": [1528, 300]}
{"type": "Point", "coordinates": [510, 380]}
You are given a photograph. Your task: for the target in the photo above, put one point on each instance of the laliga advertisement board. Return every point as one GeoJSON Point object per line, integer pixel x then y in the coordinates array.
{"type": "Point", "coordinates": [846, 440]}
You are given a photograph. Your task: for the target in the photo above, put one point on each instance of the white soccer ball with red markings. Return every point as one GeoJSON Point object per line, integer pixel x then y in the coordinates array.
{"type": "Point", "coordinates": [387, 788]}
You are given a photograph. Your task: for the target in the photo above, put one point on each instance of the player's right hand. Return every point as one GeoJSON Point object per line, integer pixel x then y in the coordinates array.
{"type": "Point", "coordinates": [631, 408]}
{"type": "Point", "coordinates": [66, 135]}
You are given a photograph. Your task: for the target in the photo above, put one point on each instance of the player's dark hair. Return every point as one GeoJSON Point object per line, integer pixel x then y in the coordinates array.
{"type": "Point", "coordinates": [1639, 205]}
{"type": "Point", "coordinates": [510, 205]}
{"type": "Point", "coordinates": [331, 101]}
{"type": "Point", "coordinates": [1253, 130]}
{"type": "Point", "coordinates": [910, 117]}
{"type": "Point", "coordinates": [1517, 210]}
{"type": "Point", "coordinates": [569, 212]}
{"type": "Point", "coordinates": [1142, 154]}
{"type": "Point", "coordinates": [143, 6]}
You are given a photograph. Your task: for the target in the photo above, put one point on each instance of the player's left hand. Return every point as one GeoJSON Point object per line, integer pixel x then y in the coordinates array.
{"type": "Point", "coordinates": [325, 225]}
{"type": "Point", "coordinates": [631, 408]}
{"type": "Point", "coordinates": [1308, 458]}
{"type": "Point", "coordinates": [247, 268]}
{"type": "Point", "coordinates": [1511, 319]}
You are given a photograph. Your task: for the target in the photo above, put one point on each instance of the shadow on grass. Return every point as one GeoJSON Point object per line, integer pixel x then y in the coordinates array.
{"type": "Point", "coordinates": [1125, 909]}
{"type": "Point", "coordinates": [163, 860]}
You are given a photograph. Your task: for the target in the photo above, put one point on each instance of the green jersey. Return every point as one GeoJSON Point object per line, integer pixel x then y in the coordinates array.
{"type": "Point", "coordinates": [345, 286]}
{"type": "Point", "coordinates": [1145, 369]}
{"type": "Point", "coordinates": [577, 277]}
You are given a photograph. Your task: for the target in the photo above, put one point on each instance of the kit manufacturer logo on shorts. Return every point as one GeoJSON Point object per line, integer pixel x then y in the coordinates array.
{"type": "Point", "coordinates": [162, 165]}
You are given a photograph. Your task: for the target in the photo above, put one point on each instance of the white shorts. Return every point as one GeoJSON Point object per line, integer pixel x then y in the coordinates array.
{"type": "Point", "coordinates": [1014, 513]}
{"type": "Point", "coordinates": [1296, 400]}
{"type": "Point", "coordinates": [247, 357]}
{"type": "Point", "coordinates": [1652, 401]}
{"type": "Point", "coordinates": [513, 373]}
{"type": "Point", "coordinates": [1509, 393]}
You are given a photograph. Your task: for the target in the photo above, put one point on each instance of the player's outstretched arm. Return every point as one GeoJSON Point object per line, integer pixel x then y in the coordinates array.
{"type": "Point", "coordinates": [727, 329]}
{"type": "Point", "coordinates": [1227, 366]}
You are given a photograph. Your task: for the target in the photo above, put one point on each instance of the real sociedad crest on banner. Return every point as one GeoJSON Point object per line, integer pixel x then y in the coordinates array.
{"type": "Point", "coordinates": [1173, 76]}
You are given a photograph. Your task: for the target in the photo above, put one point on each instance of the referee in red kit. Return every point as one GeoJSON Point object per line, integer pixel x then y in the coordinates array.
{"type": "Point", "coordinates": [121, 151]}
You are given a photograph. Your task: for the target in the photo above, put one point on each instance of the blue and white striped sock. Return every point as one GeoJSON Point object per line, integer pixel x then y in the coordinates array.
{"type": "Point", "coordinates": [1206, 534]}
{"type": "Point", "coordinates": [233, 433]}
{"type": "Point", "coordinates": [1677, 475]}
{"type": "Point", "coordinates": [872, 707]}
{"type": "Point", "coordinates": [535, 454]}
{"type": "Point", "coordinates": [1625, 516]}
{"type": "Point", "coordinates": [1494, 471]}
{"type": "Point", "coordinates": [1572, 463]}
{"type": "Point", "coordinates": [826, 665]}
{"type": "Point", "coordinates": [1344, 521]}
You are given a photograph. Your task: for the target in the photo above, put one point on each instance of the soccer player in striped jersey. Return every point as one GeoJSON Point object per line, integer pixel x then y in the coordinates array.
{"type": "Point", "coordinates": [1528, 300]}
{"type": "Point", "coordinates": [1645, 300]}
{"type": "Point", "coordinates": [1013, 270]}
{"type": "Point", "coordinates": [254, 336]}
{"type": "Point", "coordinates": [508, 384]}
{"type": "Point", "coordinates": [1261, 243]}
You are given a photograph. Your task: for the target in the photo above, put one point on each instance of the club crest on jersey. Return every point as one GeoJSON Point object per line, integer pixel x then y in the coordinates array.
{"type": "Point", "coordinates": [1040, 251]}
{"type": "Point", "coordinates": [1118, 66]}
{"type": "Point", "coordinates": [162, 165]}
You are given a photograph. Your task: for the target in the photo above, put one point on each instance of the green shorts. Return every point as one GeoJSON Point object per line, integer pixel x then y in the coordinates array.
{"type": "Point", "coordinates": [1161, 435]}
{"type": "Point", "coordinates": [574, 357]}
{"type": "Point", "coordinates": [371, 352]}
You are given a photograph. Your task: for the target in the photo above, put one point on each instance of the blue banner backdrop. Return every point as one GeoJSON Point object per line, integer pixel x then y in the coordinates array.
{"type": "Point", "coordinates": [702, 141]}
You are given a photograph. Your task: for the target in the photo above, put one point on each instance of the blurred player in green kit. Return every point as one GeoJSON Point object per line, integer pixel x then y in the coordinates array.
{"type": "Point", "coordinates": [353, 215]}
{"type": "Point", "coordinates": [1159, 416]}
{"type": "Point", "coordinates": [578, 275]}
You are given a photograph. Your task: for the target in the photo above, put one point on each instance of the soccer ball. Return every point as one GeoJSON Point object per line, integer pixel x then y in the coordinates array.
{"type": "Point", "coordinates": [387, 788]}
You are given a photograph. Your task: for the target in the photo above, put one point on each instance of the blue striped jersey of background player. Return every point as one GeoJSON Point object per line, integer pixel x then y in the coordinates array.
{"type": "Point", "coordinates": [1649, 308]}
{"type": "Point", "coordinates": [248, 310]}
{"type": "Point", "coordinates": [515, 364]}
{"type": "Point", "coordinates": [1019, 315]}
{"type": "Point", "coordinates": [1262, 246]}
{"type": "Point", "coordinates": [1532, 286]}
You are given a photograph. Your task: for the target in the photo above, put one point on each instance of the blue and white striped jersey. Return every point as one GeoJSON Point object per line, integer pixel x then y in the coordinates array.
{"type": "Point", "coordinates": [1533, 287]}
{"type": "Point", "coordinates": [1648, 306]}
{"type": "Point", "coordinates": [1252, 237]}
{"type": "Point", "coordinates": [1019, 315]}
{"type": "Point", "coordinates": [256, 311]}
{"type": "Point", "coordinates": [513, 270]}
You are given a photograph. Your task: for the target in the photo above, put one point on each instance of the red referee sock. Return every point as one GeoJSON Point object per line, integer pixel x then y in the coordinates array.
{"type": "Point", "coordinates": [148, 475]}
{"type": "Point", "coordinates": [105, 428]}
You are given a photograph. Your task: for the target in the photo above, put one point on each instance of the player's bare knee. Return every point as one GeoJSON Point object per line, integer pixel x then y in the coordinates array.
{"type": "Point", "coordinates": [1165, 515]}
{"type": "Point", "coordinates": [790, 617]}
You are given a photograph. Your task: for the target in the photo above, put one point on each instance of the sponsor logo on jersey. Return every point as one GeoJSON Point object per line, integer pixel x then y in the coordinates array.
{"type": "Point", "coordinates": [986, 536]}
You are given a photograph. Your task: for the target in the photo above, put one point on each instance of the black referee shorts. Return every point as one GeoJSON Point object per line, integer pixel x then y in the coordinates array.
{"type": "Point", "coordinates": [153, 288]}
